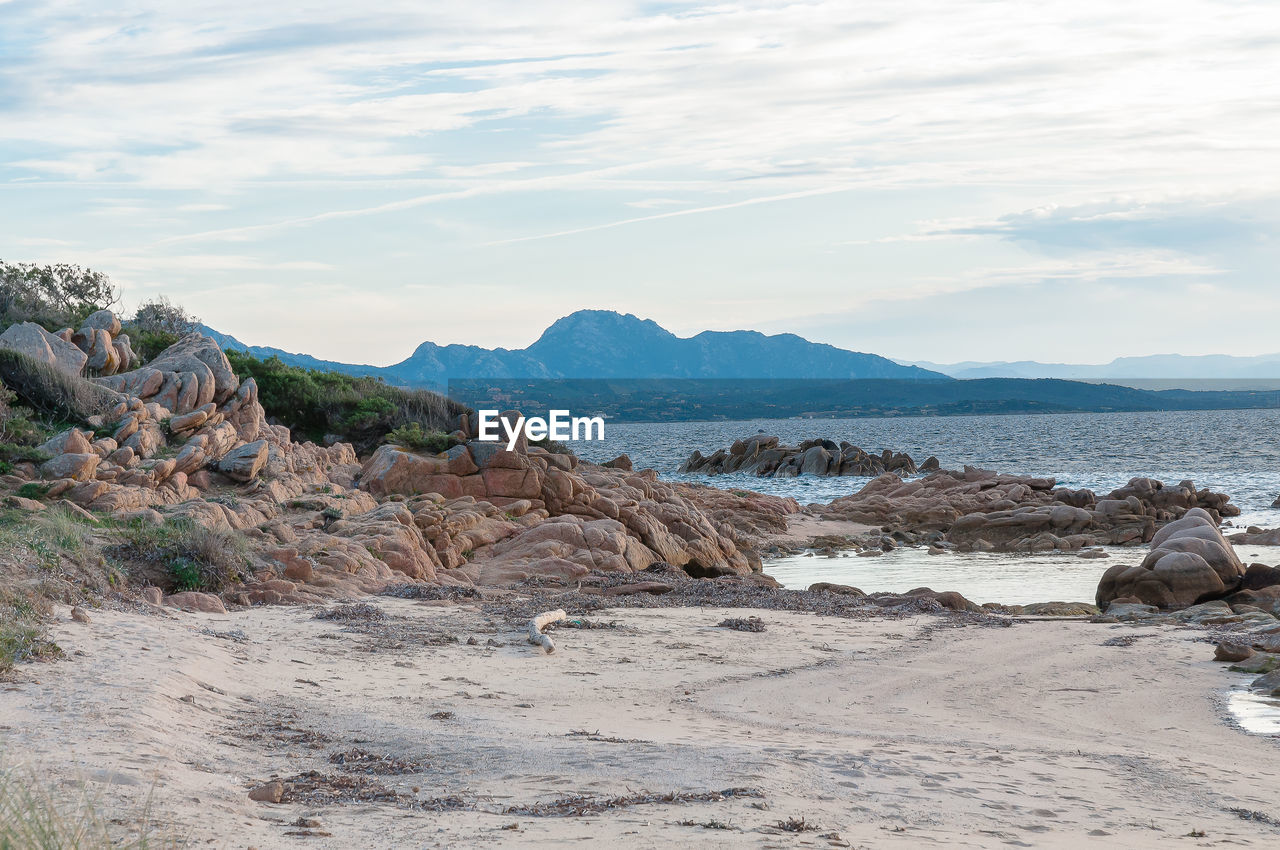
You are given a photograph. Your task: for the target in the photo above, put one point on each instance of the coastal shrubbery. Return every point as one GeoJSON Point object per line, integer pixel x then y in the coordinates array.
{"type": "Point", "coordinates": [44, 557]}
{"type": "Point", "coordinates": [36, 401]}
{"type": "Point", "coordinates": [359, 410]}
{"type": "Point", "coordinates": [18, 434]}
{"type": "Point", "coordinates": [182, 555]}
{"type": "Point", "coordinates": [22, 631]}
{"type": "Point", "coordinates": [412, 437]}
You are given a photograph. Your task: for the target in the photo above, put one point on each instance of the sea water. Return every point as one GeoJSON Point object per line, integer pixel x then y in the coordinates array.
{"type": "Point", "coordinates": [1231, 451]}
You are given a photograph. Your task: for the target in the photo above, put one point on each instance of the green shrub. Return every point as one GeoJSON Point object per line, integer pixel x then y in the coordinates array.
{"type": "Point", "coordinates": [186, 574]}
{"type": "Point", "coordinates": [360, 410]}
{"type": "Point", "coordinates": [14, 453]}
{"type": "Point", "coordinates": [156, 325]}
{"type": "Point", "coordinates": [148, 344]}
{"type": "Point", "coordinates": [412, 437]}
{"type": "Point", "coordinates": [52, 392]}
{"type": "Point", "coordinates": [160, 315]}
{"type": "Point", "coordinates": [553, 446]}
{"type": "Point", "coordinates": [32, 490]}
{"type": "Point", "coordinates": [193, 557]}
{"type": "Point", "coordinates": [16, 426]}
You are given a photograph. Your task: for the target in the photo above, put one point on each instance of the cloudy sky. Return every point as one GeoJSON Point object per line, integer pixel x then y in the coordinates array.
{"type": "Point", "coordinates": [943, 180]}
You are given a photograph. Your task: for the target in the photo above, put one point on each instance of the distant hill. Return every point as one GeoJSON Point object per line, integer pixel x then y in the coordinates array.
{"type": "Point", "coordinates": [682, 399]}
{"type": "Point", "coordinates": [605, 344]}
{"type": "Point", "coordinates": [226, 342]}
{"type": "Point", "coordinates": [1164, 369]}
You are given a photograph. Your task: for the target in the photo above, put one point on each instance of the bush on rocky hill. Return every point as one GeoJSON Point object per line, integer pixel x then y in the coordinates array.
{"type": "Point", "coordinates": [359, 410]}
{"type": "Point", "coordinates": [412, 437]}
{"type": "Point", "coordinates": [158, 324]}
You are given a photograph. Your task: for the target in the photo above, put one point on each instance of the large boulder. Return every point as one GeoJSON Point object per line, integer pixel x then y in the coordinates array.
{"type": "Point", "coordinates": [34, 341]}
{"type": "Point", "coordinates": [1189, 562]}
{"type": "Point", "coordinates": [245, 462]}
{"type": "Point", "coordinates": [395, 471]}
{"type": "Point", "coordinates": [104, 320]}
{"type": "Point", "coordinates": [75, 466]}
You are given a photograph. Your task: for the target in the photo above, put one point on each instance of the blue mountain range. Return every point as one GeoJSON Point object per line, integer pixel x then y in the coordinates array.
{"type": "Point", "coordinates": [605, 344]}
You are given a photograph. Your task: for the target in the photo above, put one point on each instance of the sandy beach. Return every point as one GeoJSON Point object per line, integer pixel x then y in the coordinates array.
{"type": "Point", "coordinates": [917, 731]}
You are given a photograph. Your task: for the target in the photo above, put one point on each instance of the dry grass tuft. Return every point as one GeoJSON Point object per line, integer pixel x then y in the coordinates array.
{"type": "Point", "coordinates": [188, 555]}
{"type": "Point", "coordinates": [51, 392]}
{"type": "Point", "coordinates": [33, 818]}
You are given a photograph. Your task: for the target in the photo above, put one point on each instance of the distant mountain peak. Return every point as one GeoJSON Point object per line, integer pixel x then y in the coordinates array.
{"type": "Point", "coordinates": [608, 344]}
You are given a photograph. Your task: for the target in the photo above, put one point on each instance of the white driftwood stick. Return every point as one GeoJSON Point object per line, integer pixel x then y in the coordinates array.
{"type": "Point", "coordinates": [540, 622]}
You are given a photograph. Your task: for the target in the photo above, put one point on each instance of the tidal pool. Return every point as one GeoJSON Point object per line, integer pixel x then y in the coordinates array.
{"type": "Point", "coordinates": [982, 577]}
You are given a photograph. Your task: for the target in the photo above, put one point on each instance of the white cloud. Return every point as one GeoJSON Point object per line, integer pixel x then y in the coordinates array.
{"type": "Point", "coordinates": [845, 150]}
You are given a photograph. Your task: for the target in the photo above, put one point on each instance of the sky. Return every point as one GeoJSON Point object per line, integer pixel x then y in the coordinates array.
{"type": "Point", "coordinates": [945, 180]}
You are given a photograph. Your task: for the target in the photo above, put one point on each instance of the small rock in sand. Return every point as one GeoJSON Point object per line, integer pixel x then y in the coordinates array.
{"type": "Point", "coordinates": [193, 600]}
{"type": "Point", "coordinates": [654, 587]}
{"type": "Point", "coordinates": [269, 792]}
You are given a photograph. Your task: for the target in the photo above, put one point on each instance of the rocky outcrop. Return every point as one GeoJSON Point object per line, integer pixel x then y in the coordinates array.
{"type": "Point", "coordinates": [1189, 562]}
{"type": "Point", "coordinates": [50, 349]}
{"type": "Point", "coordinates": [143, 454]}
{"type": "Point", "coordinates": [243, 463]}
{"type": "Point", "coordinates": [98, 348]}
{"type": "Point", "coordinates": [763, 456]}
{"type": "Point", "coordinates": [982, 510]}
{"type": "Point", "coordinates": [189, 442]}
{"type": "Point", "coordinates": [749, 518]}
{"type": "Point", "coordinates": [188, 375]}
{"type": "Point", "coordinates": [661, 522]}
{"type": "Point", "coordinates": [107, 349]}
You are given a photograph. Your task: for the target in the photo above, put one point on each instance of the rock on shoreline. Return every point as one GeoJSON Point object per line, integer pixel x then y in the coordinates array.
{"type": "Point", "coordinates": [982, 510]}
{"type": "Point", "coordinates": [765, 456]}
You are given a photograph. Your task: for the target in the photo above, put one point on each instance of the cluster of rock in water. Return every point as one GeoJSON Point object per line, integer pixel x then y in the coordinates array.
{"type": "Point", "coordinates": [982, 510]}
{"type": "Point", "coordinates": [766, 456]}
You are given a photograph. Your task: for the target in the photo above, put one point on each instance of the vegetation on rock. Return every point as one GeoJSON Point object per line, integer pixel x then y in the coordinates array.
{"type": "Point", "coordinates": [188, 556]}
{"type": "Point", "coordinates": [158, 324]}
{"type": "Point", "coordinates": [359, 410]}
{"type": "Point", "coordinates": [412, 437]}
